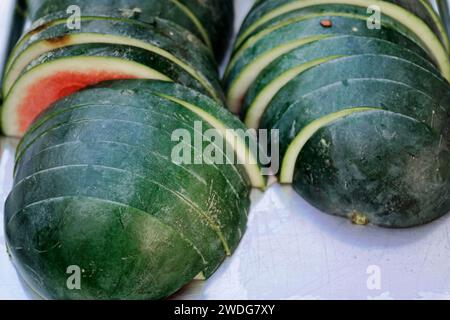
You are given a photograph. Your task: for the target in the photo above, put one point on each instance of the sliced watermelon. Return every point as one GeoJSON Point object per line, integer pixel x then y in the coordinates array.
{"type": "Point", "coordinates": [160, 37]}
{"type": "Point", "coordinates": [376, 167]}
{"type": "Point", "coordinates": [353, 67]}
{"type": "Point", "coordinates": [273, 9]}
{"type": "Point", "coordinates": [59, 78]}
{"type": "Point", "coordinates": [380, 93]}
{"type": "Point", "coordinates": [262, 49]}
{"type": "Point", "coordinates": [115, 245]}
{"type": "Point", "coordinates": [287, 67]}
{"type": "Point", "coordinates": [211, 20]}
{"type": "Point", "coordinates": [205, 108]}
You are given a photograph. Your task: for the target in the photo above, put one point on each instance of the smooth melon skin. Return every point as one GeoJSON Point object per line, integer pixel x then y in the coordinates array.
{"type": "Point", "coordinates": [129, 189]}
{"type": "Point", "coordinates": [354, 67]}
{"type": "Point", "coordinates": [123, 253]}
{"type": "Point", "coordinates": [246, 66]}
{"type": "Point", "coordinates": [376, 167]}
{"type": "Point", "coordinates": [271, 80]}
{"type": "Point", "coordinates": [382, 94]}
{"type": "Point", "coordinates": [161, 37]}
{"type": "Point", "coordinates": [211, 20]}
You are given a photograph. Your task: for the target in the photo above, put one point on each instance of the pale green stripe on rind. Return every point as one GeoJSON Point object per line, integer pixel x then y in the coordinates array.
{"type": "Point", "coordinates": [196, 22]}
{"type": "Point", "coordinates": [262, 100]}
{"type": "Point", "coordinates": [255, 38]}
{"type": "Point", "coordinates": [246, 157]}
{"type": "Point", "coordinates": [438, 23]}
{"type": "Point", "coordinates": [296, 146]}
{"type": "Point", "coordinates": [403, 16]}
{"type": "Point", "coordinates": [81, 38]}
{"type": "Point", "coordinates": [9, 113]}
{"type": "Point", "coordinates": [249, 74]}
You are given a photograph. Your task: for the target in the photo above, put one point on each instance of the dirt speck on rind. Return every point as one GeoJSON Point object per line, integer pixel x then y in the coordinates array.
{"type": "Point", "coordinates": [58, 41]}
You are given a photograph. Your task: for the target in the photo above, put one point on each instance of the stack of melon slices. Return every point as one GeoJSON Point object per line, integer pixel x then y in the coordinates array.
{"type": "Point", "coordinates": [362, 111]}
{"type": "Point", "coordinates": [96, 187]}
{"type": "Point", "coordinates": [59, 59]}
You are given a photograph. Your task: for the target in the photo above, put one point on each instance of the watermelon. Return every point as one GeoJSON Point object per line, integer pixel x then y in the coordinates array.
{"type": "Point", "coordinates": [424, 10]}
{"type": "Point", "coordinates": [235, 176]}
{"type": "Point", "coordinates": [112, 244]}
{"type": "Point", "coordinates": [341, 9]}
{"type": "Point", "coordinates": [352, 67]}
{"type": "Point", "coordinates": [231, 207]}
{"type": "Point", "coordinates": [131, 155]}
{"type": "Point", "coordinates": [270, 10]}
{"type": "Point", "coordinates": [287, 67]}
{"type": "Point", "coordinates": [207, 109]}
{"type": "Point", "coordinates": [351, 93]}
{"type": "Point", "coordinates": [251, 60]}
{"type": "Point", "coordinates": [118, 155]}
{"type": "Point", "coordinates": [160, 37]}
{"type": "Point", "coordinates": [64, 71]}
{"type": "Point", "coordinates": [374, 167]}
{"type": "Point", "coordinates": [211, 20]}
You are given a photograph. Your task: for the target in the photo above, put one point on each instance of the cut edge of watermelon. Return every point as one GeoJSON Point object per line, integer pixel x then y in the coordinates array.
{"type": "Point", "coordinates": [244, 155]}
{"type": "Point", "coordinates": [49, 82]}
{"type": "Point", "coordinates": [262, 100]}
{"type": "Point", "coordinates": [40, 47]}
{"type": "Point", "coordinates": [296, 146]}
{"type": "Point", "coordinates": [201, 29]}
{"type": "Point", "coordinates": [413, 23]}
{"type": "Point", "coordinates": [261, 34]}
{"type": "Point", "coordinates": [248, 75]}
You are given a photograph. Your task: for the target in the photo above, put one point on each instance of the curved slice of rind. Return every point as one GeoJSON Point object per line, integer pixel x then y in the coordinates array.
{"type": "Point", "coordinates": [285, 68]}
{"type": "Point", "coordinates": [376, 167]}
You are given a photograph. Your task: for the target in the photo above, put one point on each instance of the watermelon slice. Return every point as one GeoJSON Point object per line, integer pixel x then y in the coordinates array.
{"type": "Point", "coordinates": [59, 74]}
